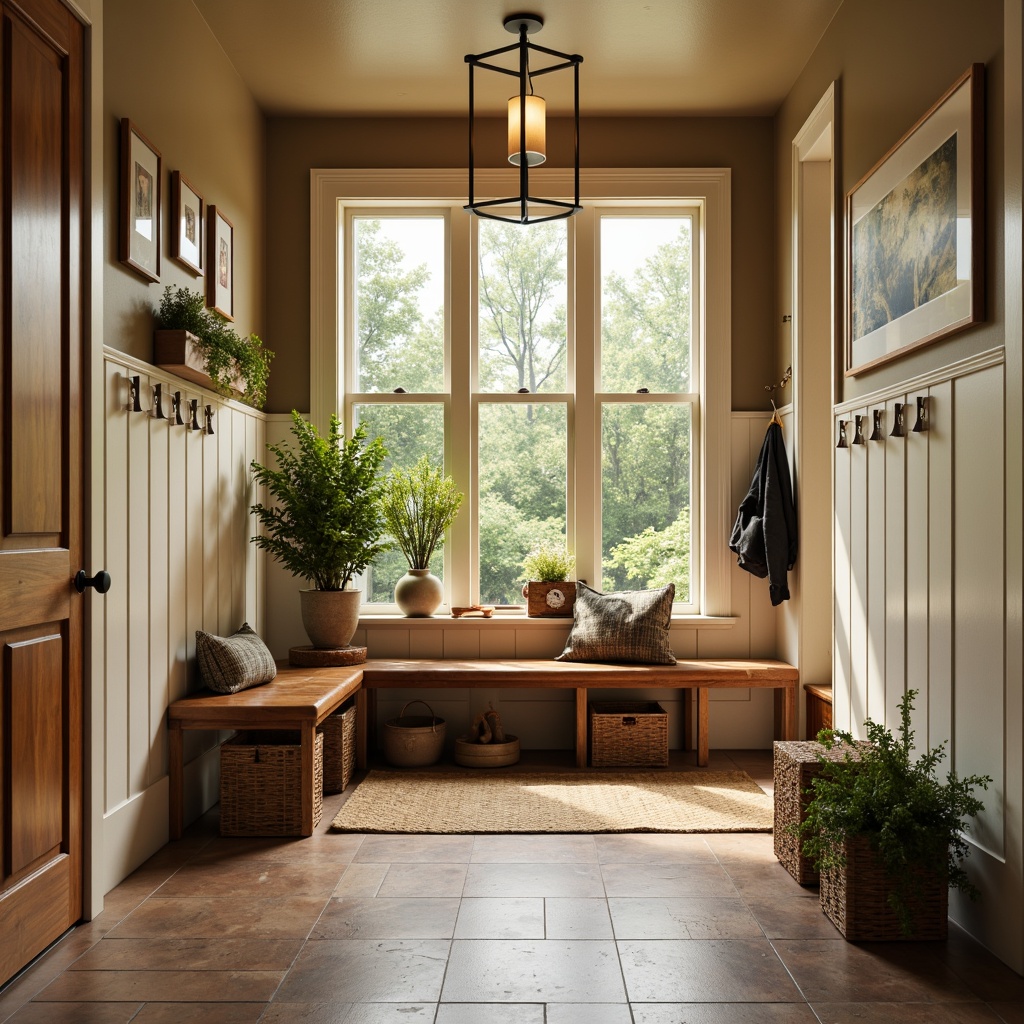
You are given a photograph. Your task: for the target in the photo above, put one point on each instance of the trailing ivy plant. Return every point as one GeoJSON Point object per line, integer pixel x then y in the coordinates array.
{"type": "Point", "coordinates": [224, 352]}
{"type": "Point", "coordinates": [326, 521]}
{"type": "Point", "coordinates": [547, 563]}
{"type": "Point", "coordinates": [419, 506]}
{"type": "Point", "coordinates": [911, 819]}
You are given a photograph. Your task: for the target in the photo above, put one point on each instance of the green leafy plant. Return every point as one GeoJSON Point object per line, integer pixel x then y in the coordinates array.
{"type": "Point", "coordinates": [910, 818]}
{"type": "Point", "coordinates": [227, 355]}
{"type": "Point", "coordinates": [326, 523]}
{"type": "Point", "coordinates": [547, 563]}
{"type": "Point", "coordinates": [419, 506]}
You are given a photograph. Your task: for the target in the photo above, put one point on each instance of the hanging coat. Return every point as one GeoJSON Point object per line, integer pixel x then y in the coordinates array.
{"type": "Point", "coordinates": [764, 535]}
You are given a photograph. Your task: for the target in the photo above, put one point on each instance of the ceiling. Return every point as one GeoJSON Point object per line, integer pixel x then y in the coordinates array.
{"type": "Point", "coordinates": [397, 57]}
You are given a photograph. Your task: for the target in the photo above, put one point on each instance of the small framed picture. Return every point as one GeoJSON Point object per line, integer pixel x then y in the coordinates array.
{"type": "Point", "coordinates": [140, 203]}
{"type": "Point", "coordinates": [220, 264]}
{"type": "Point", "coordinates": [187, 224]}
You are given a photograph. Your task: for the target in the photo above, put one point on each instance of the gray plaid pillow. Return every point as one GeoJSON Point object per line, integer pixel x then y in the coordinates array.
{"type": "Point", "coordinates": [628, 625]}
{"type": "Point", "coordinates": [232, 663]}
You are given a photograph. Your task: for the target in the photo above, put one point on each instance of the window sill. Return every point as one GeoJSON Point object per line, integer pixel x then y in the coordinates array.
{"type": "Point", "coordinates": [520, 620]}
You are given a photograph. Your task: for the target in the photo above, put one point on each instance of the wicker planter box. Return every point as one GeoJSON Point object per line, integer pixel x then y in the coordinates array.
{"type": "Point", "coordinates": [628, 733]}
{"type": "Point", "coordinates": [856, 898]}
{"type": "Point", "coordinates": [339, 732]}
{"type": "Point", "coordinates": [260, 784]}
{"type": "Point", "coordinates": [795, 763]}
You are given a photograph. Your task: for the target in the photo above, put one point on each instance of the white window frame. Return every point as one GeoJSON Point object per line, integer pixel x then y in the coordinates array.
{"type": "Point", "coordinates": [332, 191]}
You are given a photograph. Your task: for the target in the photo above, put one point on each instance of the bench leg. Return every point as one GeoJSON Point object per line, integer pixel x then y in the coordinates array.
{"type": "Point", "coordinates": [702, 726]}
{"type": "Point", "coordinates": [361, 703]}
{"type": "Point", "coordinates": [308, 739]}
{"type": "Point", "coordinates": [581, 727]}
{"type": "Point", "coordinates": [687, 719]}
{"type": "Point", "coordinates": [176, 780]}
{"type": "Point", "coordinates": [790, 713]}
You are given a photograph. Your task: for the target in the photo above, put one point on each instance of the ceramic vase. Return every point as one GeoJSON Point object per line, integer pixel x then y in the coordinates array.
{"type": "Point", "coordinates": [419, 593]}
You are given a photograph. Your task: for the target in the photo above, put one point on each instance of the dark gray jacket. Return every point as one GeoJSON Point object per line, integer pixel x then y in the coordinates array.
{"type": "Point", "coordinates": [764, 535]}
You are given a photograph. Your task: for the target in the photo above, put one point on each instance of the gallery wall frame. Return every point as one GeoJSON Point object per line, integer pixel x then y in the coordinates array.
{"type": "Point", "coordinates": [139, 237]}
{"type": "Point", "coordinates": [188, 223]}
{"type": "Point", "coordinates": [914, 234]}
{"type": "Point", "coordinates": [220, 263]}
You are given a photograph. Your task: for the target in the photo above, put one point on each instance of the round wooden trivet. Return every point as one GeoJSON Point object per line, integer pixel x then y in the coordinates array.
{"type": "Point", "coordinates": [325, 657]}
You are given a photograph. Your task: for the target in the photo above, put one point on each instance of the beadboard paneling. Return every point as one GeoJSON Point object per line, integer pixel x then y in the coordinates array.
{"type": "Point", "coordinates": [176, 542]}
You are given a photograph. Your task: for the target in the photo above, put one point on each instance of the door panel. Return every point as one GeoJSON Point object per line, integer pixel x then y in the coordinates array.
{"type": "Point", "coordinates": [41, 266]}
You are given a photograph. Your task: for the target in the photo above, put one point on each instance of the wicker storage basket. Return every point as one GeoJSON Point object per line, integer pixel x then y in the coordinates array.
{"type": "Point", "coordinates": [260, 784]}
{"type": "Point", "coordinates": [414, 741]}
{"type": "Point", "coordinates": [628, 733]}
{"type": "Point", "coordinates": [339, 732]}
{"type": "Point", "coordinates": [795, 765]}
{"type": "Point", "coordinates": [856, 898]}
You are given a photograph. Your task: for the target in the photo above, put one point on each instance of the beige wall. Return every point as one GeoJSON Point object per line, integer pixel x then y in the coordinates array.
{"type": "Point", "coordinates": [294, 145]}
{"type": "Point", "coordinates": [169, 74]}
{"type": "Point", "coordinates": [892, 61]}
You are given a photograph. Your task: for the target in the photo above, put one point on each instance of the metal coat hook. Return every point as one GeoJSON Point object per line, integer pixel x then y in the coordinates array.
{"type": "Point", "coordinates": [134, 398]}
{"type": "Point", "coordinates": [786, 377]}
{"type": "Point", "coordinates": [175, 419]}
{"type": "Point", "coordinates": [921, 426]}
{"type": "Point", "coordinates": [158, 407]}
{"type": "Point", "coordinates": [208, 412]}
{"type": "Point", "coordinates": [876, 425]}
{"type": "Point", "coordinates": [193, 422]}
{"type": "Point", "coordinates": [897, 420]}
{"type": "Point", "coordinates": [858, 430]}
{"type": "Point", "coordinates": [843, 443]}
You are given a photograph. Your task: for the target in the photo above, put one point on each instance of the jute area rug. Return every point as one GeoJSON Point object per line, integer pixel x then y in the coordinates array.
{"type": "Point", "coordinates": [464, 802]}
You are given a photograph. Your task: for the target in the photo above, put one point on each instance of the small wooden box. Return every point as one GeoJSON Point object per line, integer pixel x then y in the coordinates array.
{"type": "Point", "coordinates": [630, 734]}
{"type": "Point", "coordinates": [550, 599]}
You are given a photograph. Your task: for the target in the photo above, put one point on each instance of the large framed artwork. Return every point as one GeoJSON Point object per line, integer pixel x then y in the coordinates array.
{"type": "Point", "coordinates": [220, 264]}
{"type": "Point", "coordinates": [186, 224]}
{"type": "Point", "coordinates": [915, 234]}
{"type": "Point", "coordinates": [139, 242]}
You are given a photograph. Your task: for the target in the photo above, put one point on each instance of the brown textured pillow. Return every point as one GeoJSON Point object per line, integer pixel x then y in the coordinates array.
{"type": "Point", "coordinates": [628, 625]}
{"type": "Point", "coordinates": [232, 663]}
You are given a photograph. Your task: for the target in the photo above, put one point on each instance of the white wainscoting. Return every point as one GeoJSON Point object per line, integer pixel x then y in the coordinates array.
{"type": "Point", "coordinates": [176, 544]}
{"type": "Point", "coordinates": [919, 599]}
{"type": "Point", "coordinates": [544, 720]}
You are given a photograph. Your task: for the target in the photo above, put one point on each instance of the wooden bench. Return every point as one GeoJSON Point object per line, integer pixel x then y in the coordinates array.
{"type": "Point", "coordinates": [298, 699]}
{"type": "Point", "coordinates": [701, 675]}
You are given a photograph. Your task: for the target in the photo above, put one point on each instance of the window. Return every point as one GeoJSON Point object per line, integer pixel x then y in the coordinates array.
{"type": "Point", "coordinates": [562, 372]}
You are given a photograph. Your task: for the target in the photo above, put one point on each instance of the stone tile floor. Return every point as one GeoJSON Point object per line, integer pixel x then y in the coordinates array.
{"type": "Point", "coordinates": [561, 929]}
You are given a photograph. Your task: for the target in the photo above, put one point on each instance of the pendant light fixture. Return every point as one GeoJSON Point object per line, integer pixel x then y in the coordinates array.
{"type": "Point", "coordinates": [527, 126]}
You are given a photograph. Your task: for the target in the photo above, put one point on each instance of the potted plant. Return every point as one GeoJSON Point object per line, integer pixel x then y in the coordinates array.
{"type": "Point", "coordinates": [548, 590]}
{"type": "Point", "coordinates": [197, 344]}
{"type": "Point", "coordinates": [886, 835]}
{"type": "Point", "coordinates": [326, 521]}
{"type": "Point", "coordinates": [419, 506]}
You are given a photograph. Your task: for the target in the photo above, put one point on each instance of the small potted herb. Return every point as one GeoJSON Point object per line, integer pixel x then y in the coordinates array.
{"type": "Point", "coordinates": [887, 835]}
{"type": "Point", "coordinates": [197, 344]}
{"type": "Point", "coordinates": [548, 590]}
{"type": "Point", "coordinates": [326, 522]}
{"type": "Point", "coordinates": [419, 506]}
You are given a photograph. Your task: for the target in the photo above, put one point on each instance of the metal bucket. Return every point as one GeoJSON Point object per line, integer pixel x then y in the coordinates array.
{"type": "Point", "coordinates": [414, 741]}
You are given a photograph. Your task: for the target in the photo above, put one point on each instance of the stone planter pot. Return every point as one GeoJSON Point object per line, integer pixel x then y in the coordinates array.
{"type": "Point", "coordinates": [330, 617]}
{"type": "Point", "coordinates": [419, 593]}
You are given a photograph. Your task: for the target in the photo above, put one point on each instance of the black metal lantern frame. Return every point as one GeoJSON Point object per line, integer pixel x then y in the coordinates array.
{"type": "Point", "coordinates": [524, 24]}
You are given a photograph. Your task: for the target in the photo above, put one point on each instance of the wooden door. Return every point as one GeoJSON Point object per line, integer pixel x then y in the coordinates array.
{"type": "Point", "coordinates": [41, 218]}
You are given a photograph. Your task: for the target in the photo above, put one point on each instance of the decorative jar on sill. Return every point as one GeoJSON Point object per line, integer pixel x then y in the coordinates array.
{"type": "Point", "coordinates": [419, 593]}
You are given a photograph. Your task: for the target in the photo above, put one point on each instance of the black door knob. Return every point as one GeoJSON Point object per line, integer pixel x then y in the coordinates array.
{"type": "Point", "coordinates": [101, 581]}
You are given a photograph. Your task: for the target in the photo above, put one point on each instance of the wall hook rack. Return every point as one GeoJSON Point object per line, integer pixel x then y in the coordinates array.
{"type": "Point", "coordinates": [175, 419]}
{"type": "Point", "coordinates": [897, 419]}
{"type": "Point", "coordinates": [921, 426]}
{"type": "Point", "coordinates": [876, 425]}
{"type": "Point", "coordinates": [134, 398]}
{"type": "Point", "coordinates": [193, 415]}
{"type": "Point", "coordinates": [158, 407]}
{"type": "Point", "coordinates": [858, 430]}
{"type": "Point", "coordinates": [843, 443]}
{"type": "Point", "coordinates": [208, 413]}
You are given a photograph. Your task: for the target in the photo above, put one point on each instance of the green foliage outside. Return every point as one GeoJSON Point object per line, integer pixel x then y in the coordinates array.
{"type": "Point", "coordinates": [645, 342]}
{"type": "Point", "coordinates": [910, 817]}
{"type": "Point", "coordinates": [225, 351]}
{"type": "Point", "coordinates": [326, 523]}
